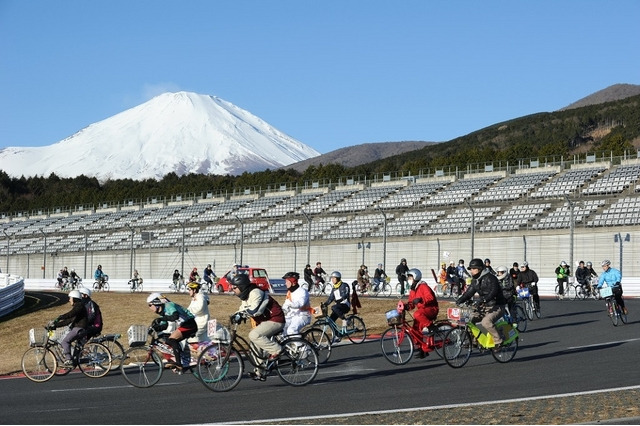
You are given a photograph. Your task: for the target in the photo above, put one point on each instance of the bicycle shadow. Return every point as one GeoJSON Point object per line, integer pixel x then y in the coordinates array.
{"type": "Point", "coordinates": [556, 326]}
{"type": "Point", "coordinates": [570, 314]}
{"type": "Point", "coordinates": [566, 352]}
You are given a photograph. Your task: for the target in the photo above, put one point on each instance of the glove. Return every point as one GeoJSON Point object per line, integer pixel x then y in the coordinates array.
{"type": "Point", "coordinates": [416, 301]}
{"type": "Point", "coordinates": [51, 325]}
{"type": "Point", "coordinates": [236, 318]}
{"type": "Point", "coordinates": [158, 325]}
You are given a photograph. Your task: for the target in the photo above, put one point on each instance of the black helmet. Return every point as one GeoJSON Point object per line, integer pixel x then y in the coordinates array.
{"type": "Point", "coordinates": [487, 260]}
{"type": "Point", "coordinates": [461, 261]}
{"type": "Point", "coordinates": [241, 281]}
{"type": "Point", "coordinates": [476, 263]}
{"type": "Point", "coordinates": [403, 260]}
{"type": "Point", "coordinates": [293, 275]}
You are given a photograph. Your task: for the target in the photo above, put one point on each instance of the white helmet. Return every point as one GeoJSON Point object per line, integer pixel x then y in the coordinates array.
{"type": "Point", "coordinates": [156, 299]}
{"type": "Point", "coordinates": [75, 294]}
{"type": "Point", "coordinates": [85, 290]}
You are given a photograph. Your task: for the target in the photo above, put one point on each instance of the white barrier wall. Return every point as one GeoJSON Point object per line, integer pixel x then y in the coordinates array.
{"type": "Point", "coordinates": [11, 293]}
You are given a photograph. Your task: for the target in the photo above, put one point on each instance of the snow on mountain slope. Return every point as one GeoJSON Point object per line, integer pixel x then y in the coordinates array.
{"type": "Point", "coordinates": [179, 132]}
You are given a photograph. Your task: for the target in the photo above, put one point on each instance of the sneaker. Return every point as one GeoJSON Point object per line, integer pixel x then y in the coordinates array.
{"type": "Point", "coordinates": [256, 375]}
{"type": "Point", "coordinates": [68, 363]}
{"type": "Point", "coordinates": [273, 357]}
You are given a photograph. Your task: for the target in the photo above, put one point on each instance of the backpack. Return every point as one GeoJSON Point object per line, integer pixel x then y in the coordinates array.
{"type": "Point", "coordinates": [94, 317]}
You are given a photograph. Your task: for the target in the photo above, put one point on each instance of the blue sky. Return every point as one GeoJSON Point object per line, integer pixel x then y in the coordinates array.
{"type": "Point", "coordinates": [328, 73]}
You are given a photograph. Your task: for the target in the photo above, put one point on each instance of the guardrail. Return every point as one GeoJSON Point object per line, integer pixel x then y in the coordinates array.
{"type": "Point", "coordinates": [11, 293]}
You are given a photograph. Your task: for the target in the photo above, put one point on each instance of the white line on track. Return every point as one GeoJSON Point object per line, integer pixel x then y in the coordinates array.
{"type": "Point", "coordinates": [342, 415]}
{"type": "Point", "coordinates": [595, 345]}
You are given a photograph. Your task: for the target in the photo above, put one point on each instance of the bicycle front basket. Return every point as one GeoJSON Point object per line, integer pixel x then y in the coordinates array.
{"type": "Point", "coordinates": [523, 292]}
{"type": "Point", "coordinates": [606, 292]}
{"type": "Point", "coordinates": [37, 336]}
{"type": "Point", "coordinates": [394, 317]}
{"type": "Point", "coordinates": [137, 335]}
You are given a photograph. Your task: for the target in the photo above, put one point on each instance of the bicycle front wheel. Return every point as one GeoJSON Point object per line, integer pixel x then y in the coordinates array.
{"type": "Point", "coordinates": [356, 330]}
{"type": "Point", "coordinates": [386, 289]}
{"type": "Point", "coordinates": [457, 347]}
{"type": "Point", "coordinates": [298, 364]}
{"type": "Point", "coordinates": [326, 328]}
{"type": "Point", "coordinates": [505, 353]}
{"type": "Point", "coordinates": [39, 364]}
{"type": "Point", "coordinates": [396, 345]}
{"type": "Point", "coordinates": [528, 307]}
{"type": "Point", "coordinates": [220, 367]}
{"type": "Point", "coordinates": [94, 360]}
{"type": "Point", "coordinates": [320, 341]}
{"type": "Point", "coordinates": [520, 318]}
{"type": "Point", "coordinates": [614, 311]}
{"type": "Point", "coordinates": [96, 286]}
{"type": "Point", "coordinates": [142, 367]}
{"type": "Point", "coordinates": [578, 293]}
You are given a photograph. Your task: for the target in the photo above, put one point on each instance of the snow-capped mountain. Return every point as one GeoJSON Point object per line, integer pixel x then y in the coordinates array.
{"type": "Point", "coordinates": [179, 132]}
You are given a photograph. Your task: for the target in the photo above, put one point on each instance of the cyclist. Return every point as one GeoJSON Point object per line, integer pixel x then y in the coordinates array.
{"type": "Point", "coordinates": [60, 279]}
{"type": "Point", "coordinates": [76, 318]}
{"type": "Point", "coordinates": [487, 265]}
{"type": "Point", "coordinates": [378, 276]}
{"type": "Point", "coordinates": [136, 279]}
{"type": "Point", "coordinates": [340, 295]}
{"type": "Point", "coordinates": [296, 307]}
{"type": "Point", "coordinates": [423, 299]}
{"type": "Point", "coordinates": [199, 307]}
{"type": "Point", "coordinates": [452, 276]}
{"type": "Point", "coordinates": [508, 288]}
{"type": "Point", "coordinates": [208, 276]}
{"type": "Point", "coordinates": [562, 275]}
{"type": "Point", "coordinates": [187, 327]}
{"type": "Point", "coordinates": [591, 271]}
{"type": "Point", "coordinates": [362, 276]}
{"type": "Point", "coordinates": [514, 272]}
{"type": "Point", "coordinates": [318, 272]}
{"type": "Point", "coordinates": [462, 271]}
{"type": "Point", "coordinates": [267, 314]}
{"type": "Point", "coordinates": [94, 315]}
{"type": "Point", "coordinates": [194, 276]}
{"type": "Point", "coordinates": [583, 276]}
{"type": "Point", "coordinates": [491, 302]}
{"type": "Point", "coordinates": [99, 276]}
{"type": "Point", "coordinates": [74, 278]}
{"type": "Point", "coordinates": [613, 278]}
{"type": "Point", "coordinates": [528, 278]}
{"type": "Point", "coordinates": [308, 276]}
{"type": "Point", "coordinates": [177, 278]}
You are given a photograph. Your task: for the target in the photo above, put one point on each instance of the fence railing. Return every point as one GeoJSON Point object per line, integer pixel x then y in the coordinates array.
{"type": "Point", "coordinates": [11, 293]}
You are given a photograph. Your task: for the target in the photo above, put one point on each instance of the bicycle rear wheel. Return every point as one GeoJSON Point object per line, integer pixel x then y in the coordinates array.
{"type": "Point", "coordinates": [457, 347]}
{"type": "Point", "coordinates": [396, 345]}
{"type": "Point", "coordinates": [220, 367]}
{"type": "Point", "coordinates": [320, 341]}
{"type": "Point", "coordinates": [298, 363]}
{"type": "Point", "coordinates": [520, 318]}
{"type": "Point", "coordinates": [94, 360]}
{"type": "Point", "coordinates": [39, 364]}
{"type": "Point", "coordinates": [356, 330]}
{"type": "Point", "coordinates": [505, 353]}
{"type": "Point", "coordinates": [117, 352]}
{"type": "Point", "coordinates": [439, 338]}
{"type": "Point", "coordinates": [142, 367]}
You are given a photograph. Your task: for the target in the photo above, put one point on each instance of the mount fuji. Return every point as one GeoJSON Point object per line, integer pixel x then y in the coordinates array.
{"type": "Point", "coordinates": [179, 132]}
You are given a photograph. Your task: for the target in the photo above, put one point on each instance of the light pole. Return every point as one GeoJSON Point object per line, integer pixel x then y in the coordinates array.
{"type": "Point", "coordinates": [308, 236]}
{"type": "Point", "coordinates": [473, 225]}
{"type": "Point", "coordinates": [618, 239]}
{"type": "Point", "coordinates": [131, 255]}
{"type": "Point", "coordinates": [44, 255]}
{"type": "Point", "coordinates": [384, 239]}
{"type": "Point", "coordinates": [571, 229]}
{"type": "Point", "coordinates": [241, 238]}
{"type": "Point", "coordinates": [8, 240]}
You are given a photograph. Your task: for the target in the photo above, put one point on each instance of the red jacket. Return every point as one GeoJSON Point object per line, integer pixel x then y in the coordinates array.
{"type": "Point", "coordinates": [424, 292]}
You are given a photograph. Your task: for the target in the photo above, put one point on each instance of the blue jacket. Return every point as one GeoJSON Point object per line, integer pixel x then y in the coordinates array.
{"type": "Point", "coordinates": [611, 276]}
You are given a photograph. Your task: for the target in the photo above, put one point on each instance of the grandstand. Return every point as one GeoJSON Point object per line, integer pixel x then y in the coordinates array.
{"type": "Point", "coordinates": [511, 214]}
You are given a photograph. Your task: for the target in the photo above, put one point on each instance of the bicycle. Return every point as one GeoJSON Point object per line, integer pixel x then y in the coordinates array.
{"type": "Point", "coordinates": [460, 340]}
{"type": "Point", "coordinates": [221, 364]}
{"type": "Point", "coordinates": [101, 284]}
{"type": "Point", "coordinates": [320, 286]}
{"type": "Point", "coordinates": [383, 287]}
{"type": "Point", "coordinates": [353, 327]}
{"type": "Point", "coordinates": [110, 341]}
{"type": "Point", "coordinates": [613, 308]}
{"type": "Point", "coordinates": [178, 286]}
{"type": "Point", "coordinates": [399, 341]}
{"type": "Point", "coordinates": [530, 308]}
{"type": "Point", "coordinates": [45, 358]}
{"type": "Point", "coordinates": [68, 284]}
{"type": "Point", "coordinates": [569, 292]}
{"type": "Point", "coordinates": [518, 317]}
{"type": "Point", "coordinates": [399, 293]}
{"type": "Point", "coordinates": [135, 285]}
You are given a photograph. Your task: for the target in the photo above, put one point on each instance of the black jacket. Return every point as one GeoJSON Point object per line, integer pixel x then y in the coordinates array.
{"type": "Point", "coordinates": [77, 316]}
{"type": "Point", "coordinates": [488, 288]}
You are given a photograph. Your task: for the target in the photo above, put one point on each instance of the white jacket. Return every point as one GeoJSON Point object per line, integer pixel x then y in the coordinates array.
{"type": "Point", "coordinates": [297, 304]}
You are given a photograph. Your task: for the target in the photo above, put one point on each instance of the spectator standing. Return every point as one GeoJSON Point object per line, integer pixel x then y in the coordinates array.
{"type": "Point", "coordinates": [401, 272]}
{"type": "Point", "coordinates": [308, 276]}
